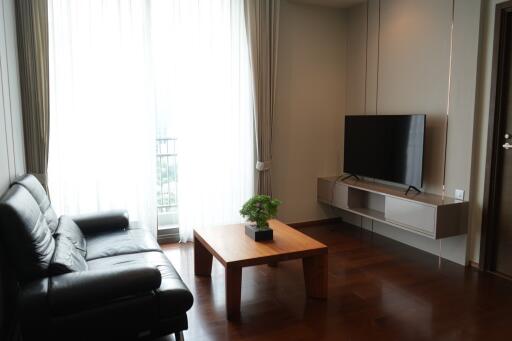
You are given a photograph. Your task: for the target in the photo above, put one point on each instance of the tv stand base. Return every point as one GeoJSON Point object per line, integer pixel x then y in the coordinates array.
{"type": "Point", "coordinates": [428, 215]}
{"type": "Point", "coordinates": [412, 187]}
{"type": "Point", "coordinates": [350, 176]}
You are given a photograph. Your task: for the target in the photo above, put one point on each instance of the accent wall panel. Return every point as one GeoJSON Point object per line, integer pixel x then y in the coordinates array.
{"type": "Point", "coordinates": [462, 95]}
{"type": "Point", "coordinates": [408, 71]}
{"type": "Point", "coordinates": [356, 58]}
{"type": "Point", "coordinates": [413, 71]}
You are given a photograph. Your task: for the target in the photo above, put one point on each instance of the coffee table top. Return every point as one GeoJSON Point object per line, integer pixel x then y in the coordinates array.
{"type": "Point", "coordinates": [231, 246]}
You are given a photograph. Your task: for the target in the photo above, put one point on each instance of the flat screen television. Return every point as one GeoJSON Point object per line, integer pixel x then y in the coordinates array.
{"type": "Point", "coordinates": [386, 147]}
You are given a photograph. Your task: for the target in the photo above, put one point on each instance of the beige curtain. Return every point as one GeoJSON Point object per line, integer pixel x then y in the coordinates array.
{"type": "Point", "coordinates": [32, 32]}
{"type": "Point", "coordinates": [262, 25]}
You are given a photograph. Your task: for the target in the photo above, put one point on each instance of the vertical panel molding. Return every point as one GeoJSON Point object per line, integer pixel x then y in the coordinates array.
{"type": "Point", "coordinates": [11, 130]}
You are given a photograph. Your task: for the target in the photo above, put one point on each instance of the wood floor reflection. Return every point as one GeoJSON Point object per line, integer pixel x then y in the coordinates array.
{"type": "Point", "coordinates": [379, 289]}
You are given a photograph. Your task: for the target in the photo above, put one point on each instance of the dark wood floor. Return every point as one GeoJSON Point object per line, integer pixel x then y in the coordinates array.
{"type": "Point", "coordinates": [379, 289]}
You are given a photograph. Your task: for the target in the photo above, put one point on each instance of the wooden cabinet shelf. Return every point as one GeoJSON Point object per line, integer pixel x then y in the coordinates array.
{"type": "Point", "coordinates": [429, 215]}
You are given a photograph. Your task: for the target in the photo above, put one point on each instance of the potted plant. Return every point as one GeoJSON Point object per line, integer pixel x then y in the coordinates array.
{"type": "Point", "coordinates": [258, 210]}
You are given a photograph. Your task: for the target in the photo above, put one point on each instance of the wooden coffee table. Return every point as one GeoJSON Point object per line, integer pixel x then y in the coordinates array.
{"type": "Point", "coordinates": [235, 250]}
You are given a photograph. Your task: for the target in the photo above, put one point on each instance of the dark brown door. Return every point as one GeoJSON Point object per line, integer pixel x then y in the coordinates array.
{"type": "Point", "coordinates": [503, 240]}
{"type": "Point", "coordinates": [497, 223]}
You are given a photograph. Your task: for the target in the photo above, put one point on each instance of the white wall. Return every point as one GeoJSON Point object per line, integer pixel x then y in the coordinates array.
{"type": "Point", "coordinates": [411, 66]}
{"type": "Point", "coordinates": [12, 159]}
{"type": "Point", "coordinates": [308, 124]}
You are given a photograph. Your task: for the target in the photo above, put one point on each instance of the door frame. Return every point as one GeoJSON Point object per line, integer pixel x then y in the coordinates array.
{"type": "Point", "coordinates": [503, 16]}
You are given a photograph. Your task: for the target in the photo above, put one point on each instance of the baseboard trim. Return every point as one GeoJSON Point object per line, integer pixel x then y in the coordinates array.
{"type": "Point", "coordinates": [168, 238]}
{"type": "Point", "coordinates": [328, 221]}
{"type": "Point", "coordinates": [175, 237]}
{"type": "Point", "coordinates": [474, 265]}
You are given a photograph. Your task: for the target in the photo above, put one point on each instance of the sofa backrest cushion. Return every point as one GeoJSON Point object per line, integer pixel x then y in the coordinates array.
{"type": "Point", "coordinates": [35, 188]}
{"type": "Point", "coordinates": [25, 234]}
{"type": "Point", "coordinates": [68, 228]}
{"type": "Point", "coordinates": [66, 258]}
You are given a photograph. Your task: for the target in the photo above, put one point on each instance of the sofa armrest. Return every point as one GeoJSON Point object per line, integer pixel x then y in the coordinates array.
{"type": "Point", "coordinates": [75, 291]}
{"type": "Point", "coordinates": [101, 222]}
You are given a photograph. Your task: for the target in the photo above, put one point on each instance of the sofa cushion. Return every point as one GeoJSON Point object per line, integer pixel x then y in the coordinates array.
{"type": "Point", "coordinates": [120, 242]}
{"type": "Point", "coordinates": [174, 298]}
{"type": "Point", "coordinates": [25, 234]}
{"type": "Point", "coordinates": [68, 228]}
{"type": "Point", "coordinates": [31, 184]}
{"type": "Point", "coordinates": [66, 258]}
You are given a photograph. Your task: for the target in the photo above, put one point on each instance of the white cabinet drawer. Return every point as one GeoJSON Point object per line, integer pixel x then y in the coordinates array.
{"type": "Point", "coordinates": [417, 216]}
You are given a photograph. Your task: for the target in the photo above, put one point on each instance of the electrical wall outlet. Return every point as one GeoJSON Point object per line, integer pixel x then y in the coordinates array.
{"type": "Point", "coordinates": [459, 194]}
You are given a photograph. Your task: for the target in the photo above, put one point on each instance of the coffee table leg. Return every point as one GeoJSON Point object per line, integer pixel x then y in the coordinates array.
{"type": "Point", "coordinates": [233, 291]}
{"type": "Point", "coordinates": [202, 259]}
{"type": "Point", "coordinates": [315, 276]}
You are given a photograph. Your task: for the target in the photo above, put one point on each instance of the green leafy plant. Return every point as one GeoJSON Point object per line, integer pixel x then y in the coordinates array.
{"type": "Point", "coordinates": [260, 209]}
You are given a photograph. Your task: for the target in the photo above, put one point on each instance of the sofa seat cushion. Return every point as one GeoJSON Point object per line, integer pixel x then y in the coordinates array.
{"type": "Point", "coordinates": [66, 258]}
{"type": "Point", "coordinates": [121, 242]}
{"type": "Point", "coordinates": [174, 298]}
{"type": "Point", "coordinates": [68, 228]}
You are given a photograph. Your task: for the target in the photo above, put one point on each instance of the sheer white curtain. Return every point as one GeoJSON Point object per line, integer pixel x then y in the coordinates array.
{"type": "Point", "coordinates": [203, 83]}
{"type": "Point", "coordinates": [102, 127]}
{"type": "Point", "coordinates": [118, 68]}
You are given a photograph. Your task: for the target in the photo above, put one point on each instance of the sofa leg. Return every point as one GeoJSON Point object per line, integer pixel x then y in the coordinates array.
{"type": "Point", "coordinates": [179, 336]}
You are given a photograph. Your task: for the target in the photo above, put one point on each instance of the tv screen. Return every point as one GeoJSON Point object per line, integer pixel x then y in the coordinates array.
{"type": "Point", "coordinates": [386, 147]}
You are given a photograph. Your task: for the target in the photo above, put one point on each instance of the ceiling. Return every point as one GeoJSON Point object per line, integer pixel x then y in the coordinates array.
{"type": "Point", "coordinates": [331, 3]}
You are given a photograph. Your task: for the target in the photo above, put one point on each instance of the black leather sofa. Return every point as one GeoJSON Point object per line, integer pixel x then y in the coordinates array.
{"type": "Point", "coordinates": [83, 278]}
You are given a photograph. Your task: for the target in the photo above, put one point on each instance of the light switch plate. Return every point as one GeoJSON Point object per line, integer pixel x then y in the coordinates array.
{"type": "Point", "coordinates": [459, 194]}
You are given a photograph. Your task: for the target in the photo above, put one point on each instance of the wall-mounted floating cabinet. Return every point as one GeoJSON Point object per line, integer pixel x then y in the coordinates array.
{"type": "Point", "coordinates": [429, 215]}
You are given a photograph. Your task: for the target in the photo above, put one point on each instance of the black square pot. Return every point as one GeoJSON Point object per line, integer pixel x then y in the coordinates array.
{"type": "Point", "coordinates": [258, 235]}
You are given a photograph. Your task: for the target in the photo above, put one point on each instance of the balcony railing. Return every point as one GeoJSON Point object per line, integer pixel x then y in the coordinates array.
{"type": "Point", "coordinates": [167, 182]}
